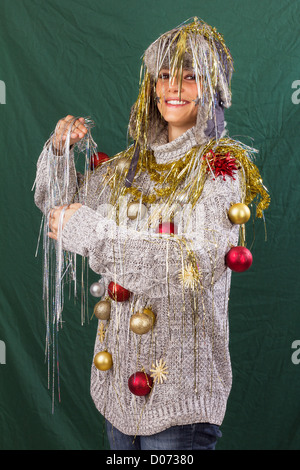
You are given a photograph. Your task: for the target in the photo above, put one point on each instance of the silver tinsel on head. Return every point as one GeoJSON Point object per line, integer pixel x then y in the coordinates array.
{"type": "Point", "coordinates": [194, 45]}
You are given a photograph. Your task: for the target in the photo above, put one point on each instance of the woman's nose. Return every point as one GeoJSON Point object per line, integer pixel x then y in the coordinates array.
{"type": "Point", "coordinates": [173, 84]}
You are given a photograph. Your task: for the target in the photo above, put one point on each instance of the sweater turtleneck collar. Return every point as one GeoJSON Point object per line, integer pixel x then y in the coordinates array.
{"type": "Point", "coordinates": [166, 152]}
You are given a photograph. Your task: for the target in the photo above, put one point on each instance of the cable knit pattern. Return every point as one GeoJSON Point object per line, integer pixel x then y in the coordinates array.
{"type": "Point", "coordinates": [191, 329]}
{"type": "Point", "coordinates": [165, 151]}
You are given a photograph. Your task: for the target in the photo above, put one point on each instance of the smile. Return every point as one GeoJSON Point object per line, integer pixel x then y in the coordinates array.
{"type": "Point", "coordinates": [176, 103]}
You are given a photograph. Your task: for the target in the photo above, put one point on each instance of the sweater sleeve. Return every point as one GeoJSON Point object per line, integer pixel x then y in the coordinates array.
{"type": "Point", "coordinates": [64, 178]}
{"type": "Point", "coordinates": [150, 264]}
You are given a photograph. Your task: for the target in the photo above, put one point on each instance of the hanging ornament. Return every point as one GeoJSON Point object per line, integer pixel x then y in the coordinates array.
{"type": "Point", "coordinates": [97, 159]}
{"type": "Point", "coordinates": [134, 209]}
{"type": "Point", "coordinates": [140, 383]}
{"type": "Point", "coordinates": [167, 228]}
{"type": "Point", "coordinates": [189, 276]}
{"type": "Point", "coordinates": [117, 292]}
{"type": "Point", "coordinates": [101, 332]}
{"type": "Point", "coordinates": [103, 360]}
{"type": "Point", "coordinates": [159, 371]}
{"type": "Point", "coordinates": [220, 164]}
{"type": "Point", "coordinates": [148, 311]}
{"type": "Point", "coordinates": [238, 259]}
{"type": "Point", "coordinates": [97, 289]}
{"type": "Point", "coordinates": [239, 213]}
{"type": "Point", "coordinates": [102, 309]}
{"type": "Point", "coordinates": [140, 323]}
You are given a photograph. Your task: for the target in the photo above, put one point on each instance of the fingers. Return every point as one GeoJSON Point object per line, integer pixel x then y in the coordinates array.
{"type": "Point", "coordinates": [55, 214]}
{"type": "Point", "coordinates": [54, 217]}
{"type": "Point", "coordinates": [75, 206]}
{"type": "Point", "coordinates": [51, 235]}
{"type": "Point", "coordinates": [53, 222]}
{"type": "Point", "coordinates": [78, 126]}
{"type": "Point", "coordinates": [77, 131]}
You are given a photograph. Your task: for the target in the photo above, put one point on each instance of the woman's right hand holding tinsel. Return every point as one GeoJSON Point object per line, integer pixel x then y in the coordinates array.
{"type": "Point", "coordinates": [78, 131]}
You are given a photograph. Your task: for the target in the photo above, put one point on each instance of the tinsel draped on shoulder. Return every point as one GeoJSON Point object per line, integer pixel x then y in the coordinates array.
{"type": "Point", "coordinates": [183, 180]}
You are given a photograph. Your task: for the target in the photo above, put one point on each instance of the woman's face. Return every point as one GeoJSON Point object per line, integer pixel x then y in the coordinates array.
{"type": "Point", "coordinates": [178, 107]}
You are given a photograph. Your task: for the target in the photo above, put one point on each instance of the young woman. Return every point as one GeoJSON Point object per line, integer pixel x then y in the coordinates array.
{"type": "Point", "coordinates": [161, 374]}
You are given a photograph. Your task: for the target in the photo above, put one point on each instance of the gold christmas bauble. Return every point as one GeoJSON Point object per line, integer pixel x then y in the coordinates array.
{"type": "Point", "coordinates": [239, 213]}
{"type": "Point", "coordinates": [102, 310]}
{"type": "Point", "coordinates": [148, 311]}
{"type": "Point", "coordinates": [140, 323]}
{"type": "Point", "coordinates": [123, 164]}
{"type": "Point", "coordinates": [103, 360]}
{"type": "Point", "coordinates": [135, 208]}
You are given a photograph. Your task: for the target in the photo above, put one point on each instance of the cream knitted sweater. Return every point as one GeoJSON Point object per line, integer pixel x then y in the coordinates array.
{"type": "Point", "coordinates": [191, 330]}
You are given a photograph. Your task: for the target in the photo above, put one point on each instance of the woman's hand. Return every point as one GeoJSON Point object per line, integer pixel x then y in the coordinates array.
{"type": "Point", "coordinates": [78, 131]}
{"type": "Point", "coordinates": [55, 216]}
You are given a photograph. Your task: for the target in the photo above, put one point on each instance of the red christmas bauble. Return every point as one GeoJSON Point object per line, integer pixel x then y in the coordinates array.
{"type": "Point", "coordinates": [117, 292]}
{"type": "Point", "coordinates": [238, 259]}
{"type": "Point", "coordinates": [140, 384]}
{"type": "Point", "coordinates": [167, 227]}
{"type": "Point", "coordinates": [97, 159]}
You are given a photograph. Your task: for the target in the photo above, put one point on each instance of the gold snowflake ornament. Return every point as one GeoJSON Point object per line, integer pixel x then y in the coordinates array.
{"type": "Point", "coordinates": [189, 276]}
{"type": "Point", "coordinates": [159, 371]}
{"type": "Point", "coordinates": [101, 332]}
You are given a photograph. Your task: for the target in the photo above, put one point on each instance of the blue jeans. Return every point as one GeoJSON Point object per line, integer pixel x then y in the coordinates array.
{"type": "Point", "coordinates": [199, 436]}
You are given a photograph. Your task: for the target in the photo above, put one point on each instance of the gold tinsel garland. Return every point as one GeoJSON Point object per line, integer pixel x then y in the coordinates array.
{"type": "Point", "coordinates": [186, 177]}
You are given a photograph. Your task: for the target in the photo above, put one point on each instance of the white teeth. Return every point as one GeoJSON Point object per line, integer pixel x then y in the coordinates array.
{"type": "Point", "coordinates": [175, 102]}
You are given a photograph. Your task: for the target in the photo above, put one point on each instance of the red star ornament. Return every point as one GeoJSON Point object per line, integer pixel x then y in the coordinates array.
{"type": "Point", "coordinates": [223, 165]}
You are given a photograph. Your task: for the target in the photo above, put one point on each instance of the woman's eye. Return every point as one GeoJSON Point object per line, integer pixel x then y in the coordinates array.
{"type": "Point", "coordinates": [164, 76]}
{"type": "Point", "coordinates": [190, 77]}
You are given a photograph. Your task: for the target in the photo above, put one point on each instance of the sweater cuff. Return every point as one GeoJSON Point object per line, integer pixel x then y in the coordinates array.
{"type": "Point", "coordinates": [54, 151]}
{"type": "Point", "coordinates": [80, 232]}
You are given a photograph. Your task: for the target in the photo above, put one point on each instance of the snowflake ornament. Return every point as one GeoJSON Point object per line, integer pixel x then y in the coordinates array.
{"type": "Point", "coordinates": [189, 276]}
{"type": "Point", "coordinates": [159, 371]}
{"type": "Point", "coordinates": [101, 332]}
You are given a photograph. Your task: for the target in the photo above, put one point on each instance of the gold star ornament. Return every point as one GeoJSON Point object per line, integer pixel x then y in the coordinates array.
{"type": "Point", "coordinates": [189, 276]}
{"type": "Point", "coordinates": [159, 371]}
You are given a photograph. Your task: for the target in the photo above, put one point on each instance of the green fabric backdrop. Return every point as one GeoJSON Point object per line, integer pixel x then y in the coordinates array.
{"type": "Point", "coordinates": [62, 57]}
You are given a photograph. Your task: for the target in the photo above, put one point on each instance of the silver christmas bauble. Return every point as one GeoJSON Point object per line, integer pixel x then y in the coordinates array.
{"type": "Point", "coordinates": [97, 289]}
{"type": "Point", "coordinates": [134, 209]}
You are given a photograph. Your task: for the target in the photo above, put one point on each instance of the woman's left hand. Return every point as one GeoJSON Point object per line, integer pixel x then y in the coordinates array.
{"type": "Point", "coordinates": [55, 216]}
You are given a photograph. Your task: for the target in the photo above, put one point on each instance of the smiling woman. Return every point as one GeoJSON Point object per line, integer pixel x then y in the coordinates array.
{"type": "Point", "coordinates": [161, 374]}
